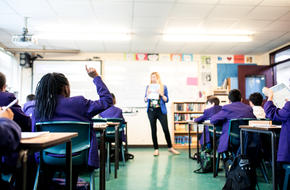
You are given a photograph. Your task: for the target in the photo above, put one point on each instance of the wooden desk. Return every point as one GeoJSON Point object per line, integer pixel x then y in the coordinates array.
{"type": "Point", "coordinates": [272, 130]}
{"type": "Point", "coordinates": [101, 127]}
{"type": "Point", "coordinates": [45, 141]}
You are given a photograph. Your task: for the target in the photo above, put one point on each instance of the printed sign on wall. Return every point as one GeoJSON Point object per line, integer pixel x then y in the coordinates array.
{"type": "Point", "coordinates": [176, 57]}
{"type": "Point", "coordinates": [239, 59]}
{"type": "Point", "coordinates": [141, 57]}
{"type": "Point", "coordinates": [153, 56]}
{"type": "Point", "coordinates": [187, 57]}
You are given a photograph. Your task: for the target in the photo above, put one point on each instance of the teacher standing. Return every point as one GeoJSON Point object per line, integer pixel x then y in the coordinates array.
{"type": "Point", "coordinates": [156, 96]}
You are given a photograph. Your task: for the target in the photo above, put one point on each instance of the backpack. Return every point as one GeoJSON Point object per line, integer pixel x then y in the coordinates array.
{"type": "Point", "coordinates": [241, 176]}
{"type": "Point", "coordinates": [205, 162]}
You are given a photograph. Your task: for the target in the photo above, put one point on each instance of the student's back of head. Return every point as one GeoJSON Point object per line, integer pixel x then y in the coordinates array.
{"type": "Point", "coordinates": [256, 99]}
{"type": "Point", "coordinates": [2, 82]}
{"type": "Point", "coordinates": [213, 100]}
{"type": "Point", "coordinates": [30, 97]}
{"type": "Point", "coordinates": [235, 95]}
{"type": "Point", "coordinates": [48, 88]}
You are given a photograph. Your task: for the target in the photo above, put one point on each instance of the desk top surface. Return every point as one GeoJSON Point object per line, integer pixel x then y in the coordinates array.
{"type": "Point", "coordinates": [47, 140]}
{"type": "Point", "coordinates": [270, 128]}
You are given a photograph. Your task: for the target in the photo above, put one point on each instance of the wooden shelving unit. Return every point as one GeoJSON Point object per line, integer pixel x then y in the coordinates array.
{"type": "Point", "coordinates": [182, 113]}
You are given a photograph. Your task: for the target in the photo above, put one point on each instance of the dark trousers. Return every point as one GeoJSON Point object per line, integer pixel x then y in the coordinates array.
{"type": "Point", "coordinates": [153, 115]}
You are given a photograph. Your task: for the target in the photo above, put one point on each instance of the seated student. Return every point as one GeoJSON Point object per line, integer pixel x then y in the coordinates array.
{"type": "Point", "coordinates": [213, 108]}
{"type": "Point", "coordinates": [256, 101]}
{"type": "Point", "coordinates": [113, 111]}
{"type": "Point", "coordinates": [10, 134]}
{"type": "Point", "coordinates": [280, 115]}
{"type": "Point", "coordinates": [28, 107]}
{"type": "Point", "coordinates": [53, 103]}
{"type": "Point", "coordinates": [6, 98]}
{"type": "Point", "coordinates": [236, 109]}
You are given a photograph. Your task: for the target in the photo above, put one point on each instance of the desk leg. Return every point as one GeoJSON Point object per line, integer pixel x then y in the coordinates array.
{"type": "Point", "coordinates": [116, 150]}
{"type": "Point", "coordinates": [197, 144]}
{"type": "Point", "coordinates": [189, 142]}
{"type": "Point", "coordinates": [241, 142]}
{"type": "Point", "coordinates": [214, 152]}
{"type": "Point", "coordinates": [274, 159]}
{"type": "Point", "coordinates": [102, 185]}
{"type": "Point", "coordinates": [24, 170]}
{"type": "Point", "coordinates": [68, 166]}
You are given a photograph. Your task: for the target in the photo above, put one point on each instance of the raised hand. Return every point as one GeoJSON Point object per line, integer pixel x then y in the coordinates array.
{"type": "Point", "coordinates": [7, 113]}
{"type": "Point", "coordinates": [92, 72]}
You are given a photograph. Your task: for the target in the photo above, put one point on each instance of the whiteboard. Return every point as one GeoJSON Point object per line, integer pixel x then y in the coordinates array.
{"type": "Point", "coordinates": [128, 80]}
{"type": "Point", "coordinates": [80, 82]}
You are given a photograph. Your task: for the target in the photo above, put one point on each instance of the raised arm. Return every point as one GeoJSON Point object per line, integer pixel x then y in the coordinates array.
{"type": "Point", "coordinates": [105, 101]}
{"type": "Point", "coordinates": [276, 114]}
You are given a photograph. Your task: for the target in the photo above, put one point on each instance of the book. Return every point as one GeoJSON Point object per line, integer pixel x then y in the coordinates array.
{"type": "Point", "coordinates": [281, 92]}
{"type": "Point", "coordinates": [259, 123]}
{"type": "Point", "coordinates": [29, 135]}
{"type": "Point", "coordinates": [153, 91]}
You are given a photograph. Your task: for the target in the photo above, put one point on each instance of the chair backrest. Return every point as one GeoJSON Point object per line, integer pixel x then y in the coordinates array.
{"type": "Point", "coordinates": [234, 129]}
{"type": "Point", "coordinates": [99, 120]}
{"type": "Point", "coordinates": [79, 143]}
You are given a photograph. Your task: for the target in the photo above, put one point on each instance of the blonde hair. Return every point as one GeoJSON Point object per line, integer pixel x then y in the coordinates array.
{"type": "Point", "coordinates": [158, 81]}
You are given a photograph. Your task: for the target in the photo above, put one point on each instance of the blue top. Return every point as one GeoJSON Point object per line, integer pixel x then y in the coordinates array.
{"type": "Point", "coordinates": [78, 108]}
{"type": "Point", "coordinates": [28, 107]}
{"type": "Point", "coordinates": [235, 110]}
{"type": "Point", "coordinates": [112, 112]}
{"type": "Point", "coordinates": [283, 115]}
{"type": "Point", "coordinates": [20, 118]}
{"type": "Point", "coordinates": [162, 102]}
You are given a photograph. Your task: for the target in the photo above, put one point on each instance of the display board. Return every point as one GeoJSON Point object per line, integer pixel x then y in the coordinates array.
{"type": "Point", "coordinates": [128, 80]}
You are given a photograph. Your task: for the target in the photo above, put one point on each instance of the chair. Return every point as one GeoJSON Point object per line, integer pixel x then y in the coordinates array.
{"type": "Point", "coordinates": [287, 173]}
{"type": "Point", "coordinates": [110, 137]}
{"type": "Point", "coordinates": [80, 146]}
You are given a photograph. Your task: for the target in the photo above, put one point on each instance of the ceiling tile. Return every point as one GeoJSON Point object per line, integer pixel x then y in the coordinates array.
{"type": "Point", "coordinates": [191, 10]}
{"type": "Point", "coordinates": [278, 26]}
{"type": "Point", "coordinates": [276, 3]}
{"type": "Point", "coordinates": [268, 13]}
{"type": "Point", "coordinates": [5, 8]}
{"type": "Point", "coordinates": [251, 25]}
{"type": "Point", "coordinates": [149, 22]}
{"type": "Point", "coordinates": [240, 2]}
{"type": "Point", "coordinates": [142, 9]}
{"type": "Point", "coordinates": [230, 11]}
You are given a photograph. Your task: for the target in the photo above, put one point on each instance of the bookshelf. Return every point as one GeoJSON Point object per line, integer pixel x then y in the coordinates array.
{"type": "Point", "coordinates": [182, 113]}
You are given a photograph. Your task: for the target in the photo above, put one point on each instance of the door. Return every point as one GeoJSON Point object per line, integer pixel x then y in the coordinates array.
{"type": "Point", "coordinates": [252, 78]}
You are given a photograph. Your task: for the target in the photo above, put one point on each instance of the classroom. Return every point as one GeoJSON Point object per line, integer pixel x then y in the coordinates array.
{"type": "Point", "coordinates": [144, 94]}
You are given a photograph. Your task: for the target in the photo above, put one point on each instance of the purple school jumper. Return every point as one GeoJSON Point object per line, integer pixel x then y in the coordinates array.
{"type": "Point", "coordinates": [234, 110]}
{"type": "Point", "coordinates": [207, 114]}
{"type": "Point", "coordinates": [283, 115]}
{"type": "Point", "coordinates": [20, 118]}
{"type": "Point", "coordinates": [80, 109]}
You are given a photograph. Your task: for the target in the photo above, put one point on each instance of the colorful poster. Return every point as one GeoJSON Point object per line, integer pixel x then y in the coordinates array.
{"type": "Point", "coordinates": [176, 57]}
{"type": "Point", "coordinates": [205, 62]}
{"type": "Point", "coordinates": [225, 59]}
{"type": "Point", "coordinates": [206, 78]}
{"type": "Point", "coordinates": [192, 81]}
{"type": "Point", "coordinates": [141, 57]}
{"type": "Point", "coordinates": [164, 57]}
{"type": "Point", "coordinates": [130, 56]}
{"type": "Point", "coordinates": [239, 59]}
{"type": "Point", "coordinates": [249, 59]}
{"type": "Point", "coordinates": [187, 57]}
{"type": "Point", "coordinates": [153, 56]}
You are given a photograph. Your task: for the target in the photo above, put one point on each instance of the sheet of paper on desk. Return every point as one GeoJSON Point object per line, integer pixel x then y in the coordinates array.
{"type": "Point", "coordinates": [153, 91]}
{"type": "Point", "coordinates": [281, 92]}
{"type": "Point", "coordinates": [28, 135]}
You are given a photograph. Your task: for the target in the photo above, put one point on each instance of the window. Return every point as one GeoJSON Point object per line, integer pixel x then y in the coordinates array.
{"type": "Point", "coordinates": [254, 84]}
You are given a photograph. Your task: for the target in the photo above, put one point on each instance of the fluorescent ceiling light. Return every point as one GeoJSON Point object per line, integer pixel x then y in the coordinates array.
{"type": "Point", "coordinates": [206, 38]}
{"type": "Point", "coordinates": [85, 36]}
